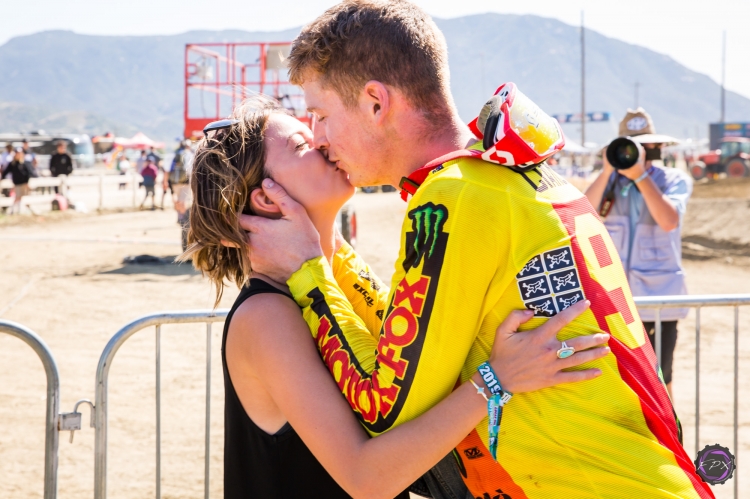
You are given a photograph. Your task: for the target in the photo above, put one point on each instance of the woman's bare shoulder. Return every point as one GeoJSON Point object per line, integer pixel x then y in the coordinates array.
{"type": "Point", "coordinates": [262, 311]}
{"type": "Point", "coordinates": [265, 322]}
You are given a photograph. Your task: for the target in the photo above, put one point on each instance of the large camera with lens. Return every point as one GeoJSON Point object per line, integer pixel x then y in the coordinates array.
{"type": "Point", "coordinates": [623, 152]}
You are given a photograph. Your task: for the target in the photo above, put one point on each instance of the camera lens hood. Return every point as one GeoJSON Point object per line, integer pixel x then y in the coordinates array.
{"type": "Point", "coordinates": [622, 153]}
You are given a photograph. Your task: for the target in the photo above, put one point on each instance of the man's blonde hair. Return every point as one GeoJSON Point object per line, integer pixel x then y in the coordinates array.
{"type": "Point", "coordinates": [392, 41]}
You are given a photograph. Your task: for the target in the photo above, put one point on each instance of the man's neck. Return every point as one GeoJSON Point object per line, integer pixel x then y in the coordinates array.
{"type": "Point", "coordinates": [421, 148]}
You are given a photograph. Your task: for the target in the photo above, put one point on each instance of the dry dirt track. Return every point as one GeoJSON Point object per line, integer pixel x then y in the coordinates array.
{"type": "Point", "coordinates": [64, 279]}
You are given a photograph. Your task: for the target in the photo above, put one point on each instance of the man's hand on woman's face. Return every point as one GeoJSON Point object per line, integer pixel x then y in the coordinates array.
{"type": "Point", "coordinates": [526, 361]}
{"type": "Point", "coordinates": [278, 248]}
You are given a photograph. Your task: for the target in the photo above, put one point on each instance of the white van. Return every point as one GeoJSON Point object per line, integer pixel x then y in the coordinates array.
{"type": "Point", "coordinates": [44, 146]}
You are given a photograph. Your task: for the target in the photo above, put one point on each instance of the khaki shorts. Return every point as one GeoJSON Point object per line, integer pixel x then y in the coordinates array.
{"type": "Point", "coordinates": [21, 190]}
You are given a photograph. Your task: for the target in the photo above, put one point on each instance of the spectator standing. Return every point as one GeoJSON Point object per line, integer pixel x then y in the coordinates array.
{"type": "Point", "coordinates": [153, 157]}
{"type": "Point", "coordinates": [123, 166]}
{"type": "Point", "coordinates": [166, 181]}
{"type": "Point", "coordinates": [6, 157]}
{"type": "Point", "coordinates": [646, 205]}
{"type": "Point", "coordinates": [182, 195]}
{"type": "Point", "coordinates": [60, 163]}
{"type": "Point", "coordinates": [140, 163]}
{"type": "Point", "coordinates": [30, 156]}
{"type": "Point", "coordinates": [149, 174]}
{"type": "Point", "coordinates": [20, 171]}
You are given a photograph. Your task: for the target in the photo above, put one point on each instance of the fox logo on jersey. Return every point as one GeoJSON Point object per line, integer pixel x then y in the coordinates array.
{"type": "Point", "coordinates": [379, 396]}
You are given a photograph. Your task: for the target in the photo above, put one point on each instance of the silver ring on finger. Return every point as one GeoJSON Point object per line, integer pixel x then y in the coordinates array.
{"type": "Point", "coordinates": [565, 351]}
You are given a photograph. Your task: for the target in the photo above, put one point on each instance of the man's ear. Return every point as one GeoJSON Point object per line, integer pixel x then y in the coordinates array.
{"type": "Point", "coordinates": [262, 205]}
{"type": "Point", "coordinates": [375, 100]}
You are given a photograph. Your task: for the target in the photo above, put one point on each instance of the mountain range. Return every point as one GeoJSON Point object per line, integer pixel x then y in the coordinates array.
{"type": "Point", "coordinates": [63, 81]}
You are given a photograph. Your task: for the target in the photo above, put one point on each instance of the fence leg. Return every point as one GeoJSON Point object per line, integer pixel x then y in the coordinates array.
{"type": "Point", "coordinates": [697, 378]}
{"type": "Point", "coordinates": [52, 435]}
{"type": "Point", "coordinates": [158, 411]}
{"type": "Point", "coordinates": [208, 410]}
{"type": "Point", "coordinates": [101, 191]}
{"type": "Point", "coordinates": [658, 336]}
{"type": "Point", "coordinates": [134, 178]}
{"type": "Point", "coordinates": [736, 389]}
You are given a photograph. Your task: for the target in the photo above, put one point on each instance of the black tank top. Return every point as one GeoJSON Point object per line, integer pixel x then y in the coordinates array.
{"type": "Point", "coordinates": [262, 466]}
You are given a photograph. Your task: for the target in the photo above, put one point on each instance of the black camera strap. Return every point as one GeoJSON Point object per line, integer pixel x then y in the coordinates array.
{"type": "Point", "coordinates": [608, 200]}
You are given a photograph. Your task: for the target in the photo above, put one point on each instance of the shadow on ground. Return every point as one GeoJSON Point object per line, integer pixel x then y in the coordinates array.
{"type": "Point", "coordinates": [148, 264]}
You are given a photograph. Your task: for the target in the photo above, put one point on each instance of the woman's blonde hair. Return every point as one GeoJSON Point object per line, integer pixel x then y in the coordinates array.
{"type": "Point", "coordinates": [228, 166]}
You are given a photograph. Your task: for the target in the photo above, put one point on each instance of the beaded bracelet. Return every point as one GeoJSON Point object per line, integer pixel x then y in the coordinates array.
{"type": "Point", "coordinates": [480, 390]}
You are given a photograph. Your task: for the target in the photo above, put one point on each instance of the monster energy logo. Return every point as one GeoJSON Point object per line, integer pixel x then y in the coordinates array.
{"type": "Point", "coordinates": [427, 223]}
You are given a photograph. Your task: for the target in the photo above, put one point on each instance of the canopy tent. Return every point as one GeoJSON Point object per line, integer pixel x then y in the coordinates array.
{"type": "Point", "coordinates": [137, 141]}
{"type": "Point", "coordinates": [575, 148]}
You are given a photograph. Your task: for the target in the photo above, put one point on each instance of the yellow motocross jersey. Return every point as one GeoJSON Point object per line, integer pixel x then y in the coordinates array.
{"type": "Point", "coordinates": [480, 240]}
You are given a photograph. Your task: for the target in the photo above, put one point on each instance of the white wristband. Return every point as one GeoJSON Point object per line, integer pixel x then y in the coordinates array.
{"type": "Point", "coordinates": [642, 177]}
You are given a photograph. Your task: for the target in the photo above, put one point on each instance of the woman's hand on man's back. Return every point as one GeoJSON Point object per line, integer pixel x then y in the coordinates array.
{"type": "Point", "coordinates": [526, 361]}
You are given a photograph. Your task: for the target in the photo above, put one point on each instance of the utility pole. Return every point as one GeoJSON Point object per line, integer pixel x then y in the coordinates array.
{"type": "Point", "coordinates": [636, 94]}
{"type": "Point", "coordinates": [723, 75]}
{"type": "Point", "coordinates": [482, 95]}
{"type": "Point", "coordinates": [583, 85]}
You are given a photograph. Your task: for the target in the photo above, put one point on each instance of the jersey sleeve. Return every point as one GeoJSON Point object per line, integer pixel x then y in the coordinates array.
{"type": "Point", "coordinates": [364, 290]}
{"type": "Point", "coordinates": [328, 312]}
{"type": "Point", "coordinates": [436, 304]}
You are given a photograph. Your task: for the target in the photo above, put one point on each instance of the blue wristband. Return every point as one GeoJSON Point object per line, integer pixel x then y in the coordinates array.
{"type": "Point", "coordinates": [493, 384]}
{"type": "Point", "coordinates": [495, 413]}
{"type": "Point", "coordinates": [494, 405]}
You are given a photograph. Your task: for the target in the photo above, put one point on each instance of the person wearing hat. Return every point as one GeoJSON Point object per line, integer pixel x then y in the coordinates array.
{"type": "Point", "coordinates": [642, 208]}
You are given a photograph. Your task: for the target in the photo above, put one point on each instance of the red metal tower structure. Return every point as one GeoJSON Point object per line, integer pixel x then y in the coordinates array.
{"type": "Point", "coordinates": [227, 73]}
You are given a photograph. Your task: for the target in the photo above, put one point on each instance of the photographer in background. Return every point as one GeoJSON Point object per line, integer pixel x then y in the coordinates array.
{"type": "Point", "coordinates": [642, 205]}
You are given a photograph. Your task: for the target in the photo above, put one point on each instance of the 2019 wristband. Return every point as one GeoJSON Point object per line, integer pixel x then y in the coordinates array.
{"type": "Point", "coordinates": [495, 413]}
{"type": "Point", "coordinates": [493, 384]}
{"type": "Point", "coordinates": [494, 405]}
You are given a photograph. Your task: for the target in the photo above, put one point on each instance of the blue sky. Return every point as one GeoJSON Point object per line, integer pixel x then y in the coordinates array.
{"type": "Point", "coordinates": [690, 31]}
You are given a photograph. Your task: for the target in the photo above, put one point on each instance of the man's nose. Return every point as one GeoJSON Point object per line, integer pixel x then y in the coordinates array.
{"type": "Point", "coordinates": [320, 140]}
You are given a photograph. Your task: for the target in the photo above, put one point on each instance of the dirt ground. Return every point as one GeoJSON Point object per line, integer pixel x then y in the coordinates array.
{"type": "Point", "coordinates": [64, 278]}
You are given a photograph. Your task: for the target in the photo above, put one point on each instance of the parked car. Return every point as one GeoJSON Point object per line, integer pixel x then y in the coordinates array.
{"type": "Point", "coordinates": [44, 146]}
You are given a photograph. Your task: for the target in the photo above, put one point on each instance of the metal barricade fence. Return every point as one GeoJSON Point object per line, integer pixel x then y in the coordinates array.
{"type": "Point", "coordinates": [209, 317]}
{"type": "Point", "coordinates": [698, 302]}
{"type": "Point", "coordinates": [52, 436]}
{"type": "Point", "coordinates": [102, 375]}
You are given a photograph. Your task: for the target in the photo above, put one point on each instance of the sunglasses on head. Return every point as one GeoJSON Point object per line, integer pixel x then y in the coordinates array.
{"type": "Point", "coordinates": [219, 125]}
